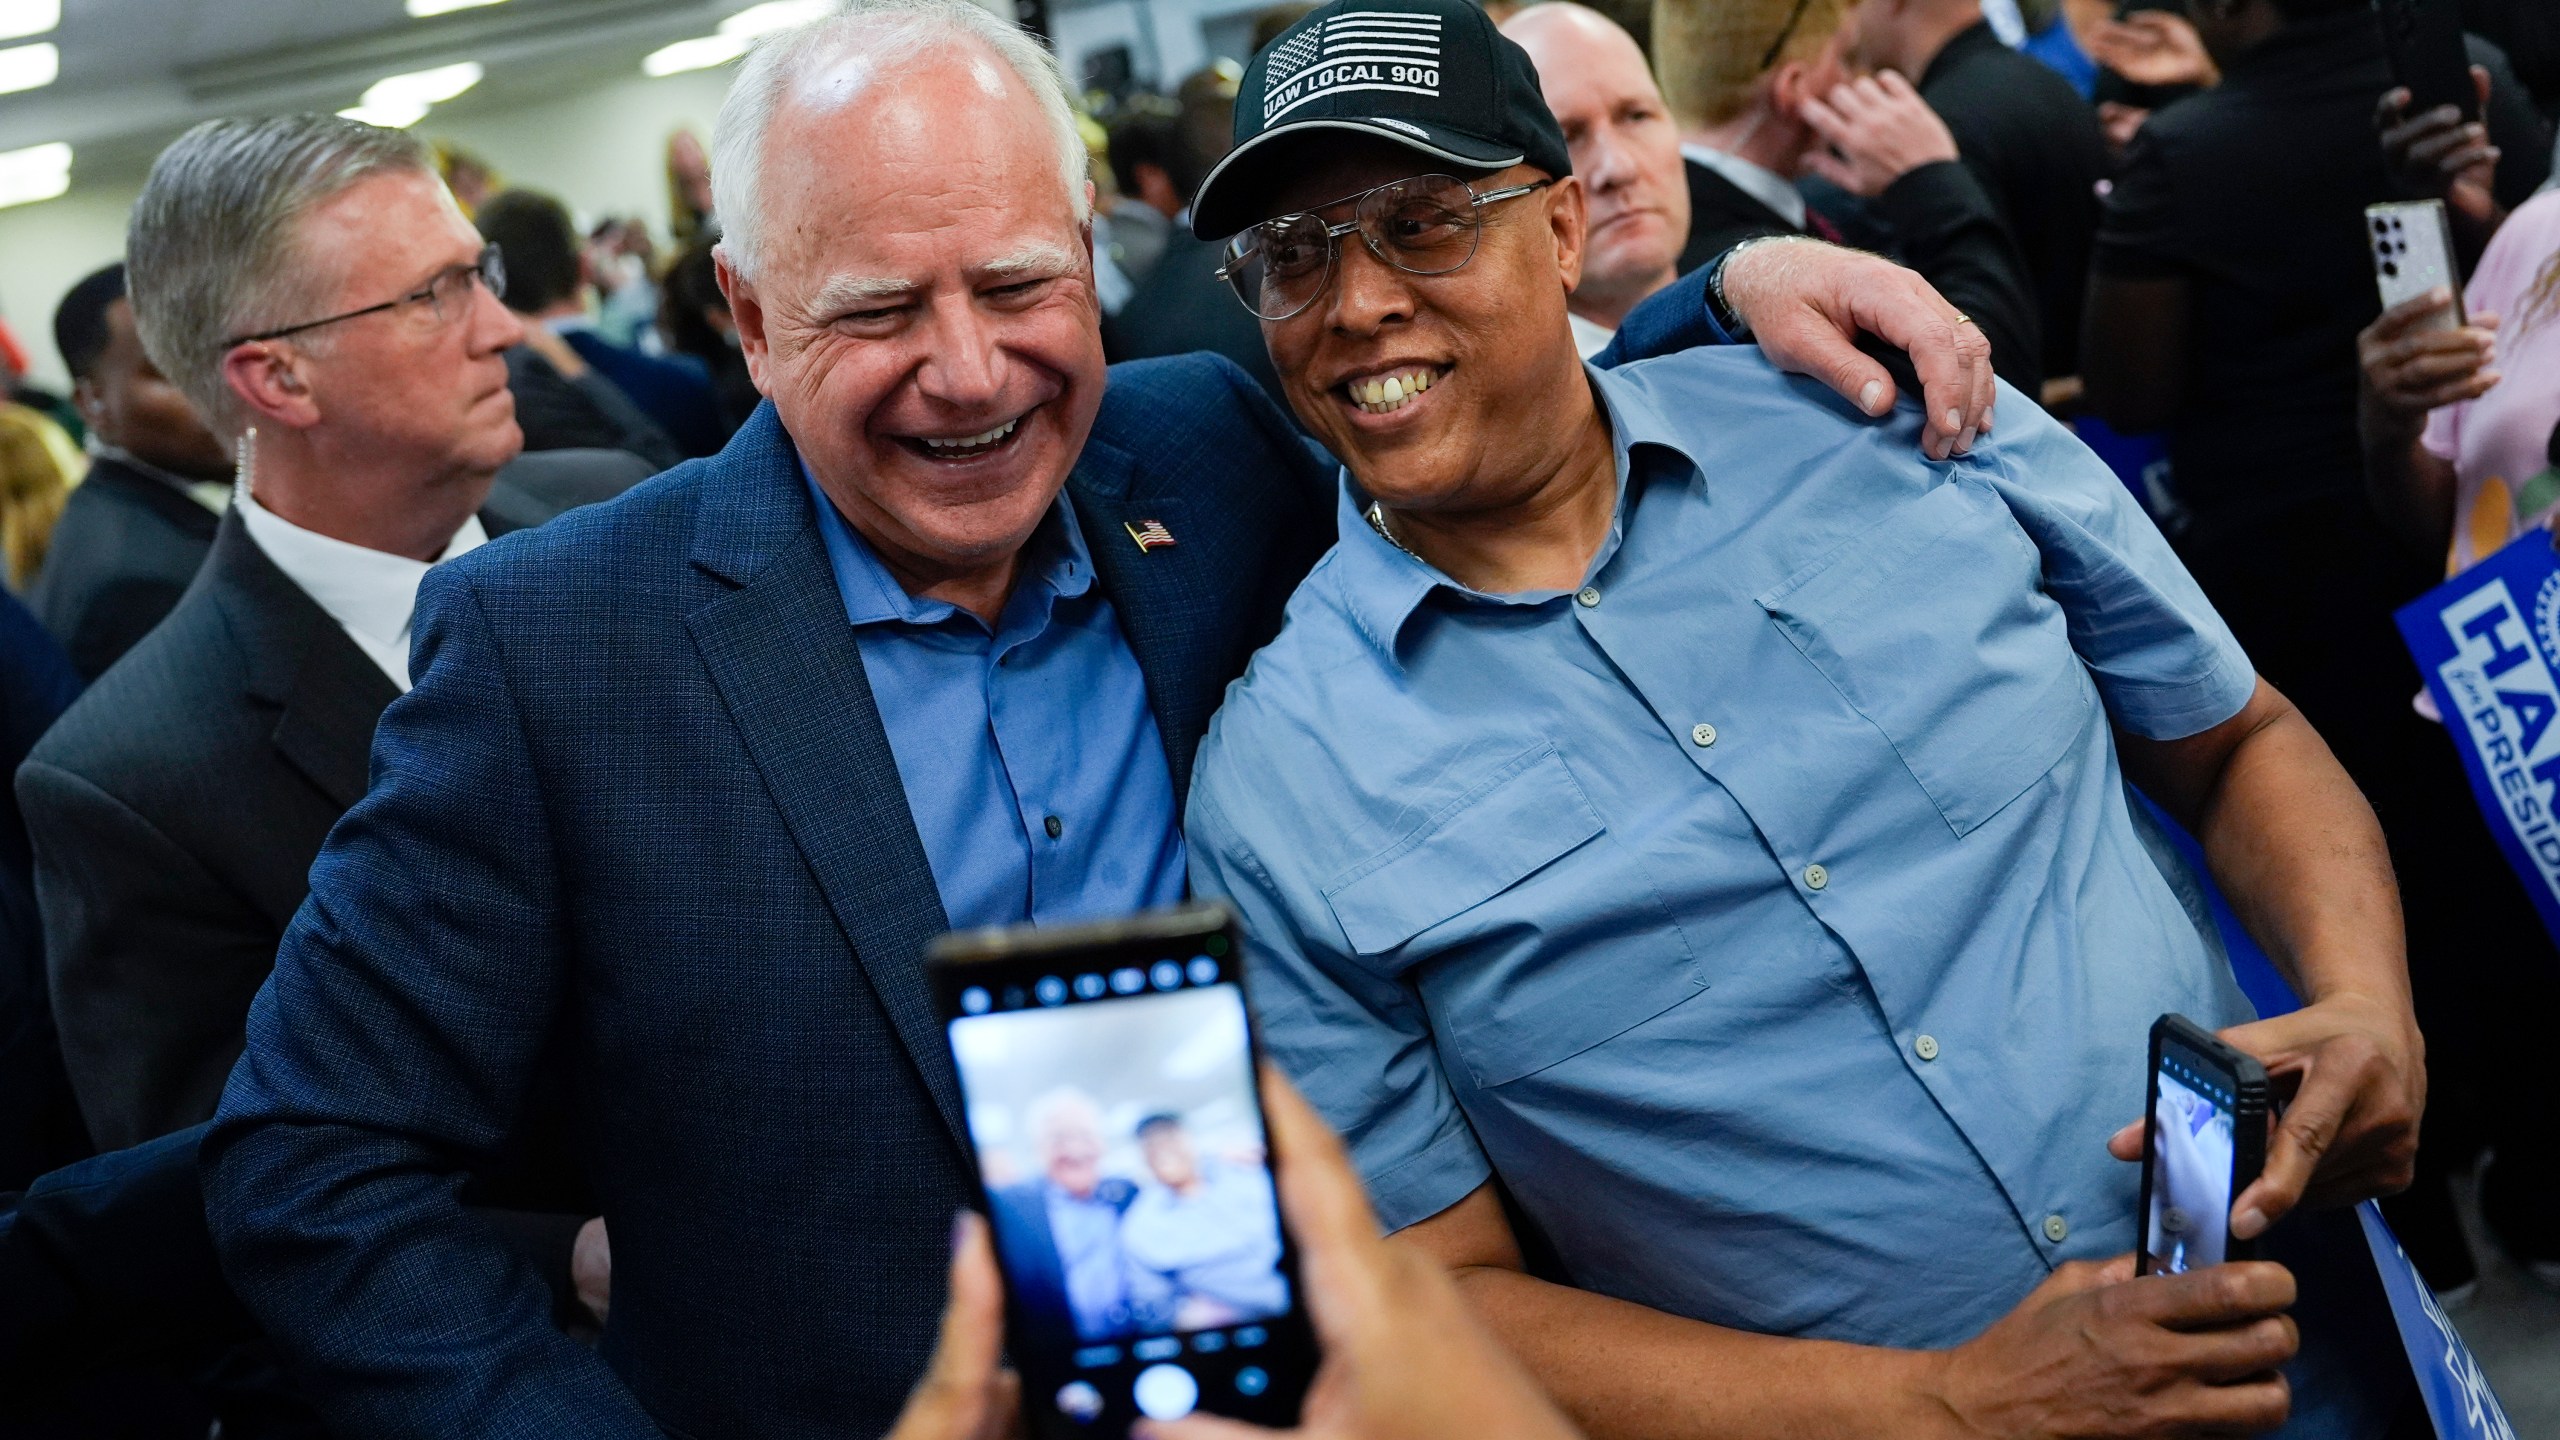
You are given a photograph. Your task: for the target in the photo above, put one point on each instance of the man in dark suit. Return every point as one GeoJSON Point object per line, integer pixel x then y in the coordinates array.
{"type": "Point", "coordinates": [689, 779]}
{"type": "Point", "coordinates": [1180, 304]}
{"type": "Point", "coordinates": [2026, 135]}
{"type": "Point", "coordinates": [1059, 1232]}
{"type": "Point", "coordinates": [1758, 87]}
{"type": "Point", "coordinates": [133, 533]}
{"type": "Point", "coordinates": [39, 1127]}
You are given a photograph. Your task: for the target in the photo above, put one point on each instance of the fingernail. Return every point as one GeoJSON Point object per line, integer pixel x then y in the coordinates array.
{"type": "Point", "coordinates": [1955, 420]}
{"type": "Point", "coordinates": [1871, 397]}
{"type": "Point", "coordinates": [2248, 1222]}
{"type": "Point", "coordinates": [1964, 445]}
{"type": "Point", "coordinates": [1986, 419]}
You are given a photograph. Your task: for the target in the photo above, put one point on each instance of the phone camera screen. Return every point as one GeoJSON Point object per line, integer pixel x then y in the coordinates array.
{"type": "Point", "coordinates": [1128, 1184]}
{"type": "Point", "coordinates": [2192, 1129]}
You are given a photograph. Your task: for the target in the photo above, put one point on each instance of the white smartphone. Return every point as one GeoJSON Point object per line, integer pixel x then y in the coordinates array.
{"type": "Point", "coordinates": [2413, 254]}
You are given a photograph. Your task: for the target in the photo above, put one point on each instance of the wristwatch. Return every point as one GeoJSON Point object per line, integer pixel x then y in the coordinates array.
{"type": "Point", "coordinates": [1720, 309]}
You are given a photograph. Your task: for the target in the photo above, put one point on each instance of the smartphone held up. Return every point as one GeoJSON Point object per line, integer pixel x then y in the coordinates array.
{"type": "Point", "coordinates": [1109, 1072]}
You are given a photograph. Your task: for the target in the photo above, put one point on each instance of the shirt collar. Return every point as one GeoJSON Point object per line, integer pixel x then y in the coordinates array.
{"type": "Point", "coordinates": [213, 495]}
{"type": "Point", "coordinates": [1055, 558]}
{"type": "Point", "coordinates": [1382, 585]}
{"type": "Point", "coordinates": [1764, 185]}
{"type": "Point", "coordinates": [371, 592]}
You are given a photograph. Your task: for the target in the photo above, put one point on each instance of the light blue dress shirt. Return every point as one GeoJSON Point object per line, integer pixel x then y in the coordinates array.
{"type": "Point", "coordinates": [1032, 763]}
{"type": "Point", "coordinates": [1769, 912]}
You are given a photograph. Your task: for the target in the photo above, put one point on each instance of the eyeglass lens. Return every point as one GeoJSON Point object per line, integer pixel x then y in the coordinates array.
{"type": "Point", "coordinates": [1427, 225]}
{"type": "Point", "coordinates": [449, 294]}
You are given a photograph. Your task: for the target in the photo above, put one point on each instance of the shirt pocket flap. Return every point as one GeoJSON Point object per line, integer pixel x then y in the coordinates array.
{"type": "Point", "coordinates": [1522, 817]}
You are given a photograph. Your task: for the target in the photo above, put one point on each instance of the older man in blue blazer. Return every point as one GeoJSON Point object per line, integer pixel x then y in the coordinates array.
{"type": "Point", "coordinates": [687, 780]}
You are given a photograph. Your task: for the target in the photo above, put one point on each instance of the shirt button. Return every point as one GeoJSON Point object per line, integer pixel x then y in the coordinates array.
{"type": "Point", "coordinates": [2056, 1229]}
{"type": "Point", "coordinates": [1702, 735]}
{"type": "Point", "coordinates": [1926, 1047]}
{"type": "Point", "coordinates": [1588, 598]}
{"type": "Point", "coordinates": [1054, 826]}
{"type": "Point", "coordinates": [1815, 877]}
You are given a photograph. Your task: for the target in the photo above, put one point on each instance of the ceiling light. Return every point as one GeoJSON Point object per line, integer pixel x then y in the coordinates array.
{"type": "Point", "coordinates": [699, 54]}
{"type": "Point", "coordinates": [774, 15]}
{"type": "Point", "coordinates": [424, 87]}
{"type": "Point", "coordinates": [38, 172]}
{"type": "Point", "coordinates": [421, 9]}
{"type": "Point", "coordinates": [391, 115]}
{"type": "Point", "coordinates": [25, 67]}
{"type": "Point", "coordinates": [28, 17]}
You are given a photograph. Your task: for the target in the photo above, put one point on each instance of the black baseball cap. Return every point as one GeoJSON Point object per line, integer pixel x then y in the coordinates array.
{"type": "Point", "coordinates": [1431, 75]}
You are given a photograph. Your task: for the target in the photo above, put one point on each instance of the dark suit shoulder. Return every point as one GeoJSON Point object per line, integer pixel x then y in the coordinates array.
{"type": "Point", "coordinates": [172, 702]}
{"type": "Point", "coordinates": [1176, 412]}
{"type": "Point", "coordinates": [627, 546]}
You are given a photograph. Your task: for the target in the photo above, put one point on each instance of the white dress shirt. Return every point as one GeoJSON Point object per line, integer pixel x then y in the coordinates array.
{"type": "Point", "coordinates": [1764, 185]}
{"type": "Point", "coordinates": [372, 594]}
{"type": "Point", "coordinates": [1590, 337]}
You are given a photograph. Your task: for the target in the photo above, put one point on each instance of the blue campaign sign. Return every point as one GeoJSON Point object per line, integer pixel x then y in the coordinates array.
{"type": "Point", "coordinates": [2488, 642]}
{"type": "Point", "coordinates": [2458, 1397]}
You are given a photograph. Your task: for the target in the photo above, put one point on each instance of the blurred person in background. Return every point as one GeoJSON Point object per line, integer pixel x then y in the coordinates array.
{"type": "Point", "coordinates": [694, 316]}
{"type": "Point", "coordinates": [621, 263]}
{"type": "Point", "coordinates": [1182, 305]}
{"type": "Point", "coordinates": [573, 387]}
{"type": "Point", "coordinates": [689, 216]}
{"type": "Point", "coordinates": [1627, 151]}
{"type": "Point", "coordinates": [136, 531]}
{"type": "Point", "coordinates": [17, 389]}
{"type": "Point", "coordinates": [39, 1126]}
{"type": "Point", "coordinates": [38, 466]}
{"type": "Point", "coordinates": [1060, 1229]}
{"type": "Point", "coordinates": [1153, 173]}
{"type": "Point", "coordinates": [1762, 93]}
{"type": "Point", "coordinates": [1205, 1235]}
{"type": "Point", "coordinates": [2026, 135]}
{"type": "Point", "coordinates": [2461, 435]}
{"type": "Point", "coordinates": [2232, 276]}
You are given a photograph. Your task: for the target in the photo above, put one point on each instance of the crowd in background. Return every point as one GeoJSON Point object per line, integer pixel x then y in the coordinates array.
{"type": "Point", "coordinates": [2152, 211]}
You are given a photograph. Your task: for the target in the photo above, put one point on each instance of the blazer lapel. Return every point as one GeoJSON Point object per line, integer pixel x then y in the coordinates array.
{"type": "Point", "coordinates": [784, 660]}
{"type": "Point", "coordinates": [1172, 609]}
{"type": "Point", "coordinates": [329, 693]}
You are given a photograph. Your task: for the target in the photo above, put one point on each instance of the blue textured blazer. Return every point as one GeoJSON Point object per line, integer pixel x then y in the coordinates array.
{"type": "Point", "coordinates": [640, 806]}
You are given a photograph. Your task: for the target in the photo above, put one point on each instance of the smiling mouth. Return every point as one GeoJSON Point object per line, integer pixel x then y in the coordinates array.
{"type": "Point", "coordinates": [966, 447]}
{"type": "Point", "coordinates": [1392, 390]}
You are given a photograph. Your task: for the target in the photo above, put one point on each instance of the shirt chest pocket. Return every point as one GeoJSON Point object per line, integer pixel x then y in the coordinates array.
{"type": "Point", "coordinates": [1530, 932]}
{"type": "Point", "coordinates": [1933, 625]}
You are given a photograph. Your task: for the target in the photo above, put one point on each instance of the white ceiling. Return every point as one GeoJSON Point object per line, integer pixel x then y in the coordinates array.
{"type": "Point", "coordinates": [136, 72]}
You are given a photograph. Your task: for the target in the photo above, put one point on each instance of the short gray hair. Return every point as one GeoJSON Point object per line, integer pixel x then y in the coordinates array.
{"type": "Point", "coordinates": [209, 252]}
{"type": "Point", "coordinates": [883, 30]}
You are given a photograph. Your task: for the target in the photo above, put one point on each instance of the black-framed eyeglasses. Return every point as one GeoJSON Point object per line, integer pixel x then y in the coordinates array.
{"type": "Point", "coordinates": [1427, 225]}
{"type": "Point", "coordinates": [448, 295]}
{"type": "Point", "coordinates": [1795, 17]}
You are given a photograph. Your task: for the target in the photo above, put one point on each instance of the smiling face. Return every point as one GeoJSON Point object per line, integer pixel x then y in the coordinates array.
{"type": "Point", "coordinates": [1625, 148]}
{"type": "Point", "coordinates": [923, 314]}
{"type": "Point", "coordinates": [1437, 390]}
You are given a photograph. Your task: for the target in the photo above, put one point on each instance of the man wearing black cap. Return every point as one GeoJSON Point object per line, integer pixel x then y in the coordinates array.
{"type": "Point", "coordinates": [1700, 826]}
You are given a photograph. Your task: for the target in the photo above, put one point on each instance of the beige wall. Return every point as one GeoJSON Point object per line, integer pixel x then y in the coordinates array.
{"type": "Point", "coordinates": [602, 150]}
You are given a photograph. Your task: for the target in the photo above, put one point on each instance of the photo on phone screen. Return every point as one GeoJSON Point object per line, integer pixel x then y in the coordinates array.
{"type": "Point", "coordinates": [1113, 1107]}
{"type": "Point", "coordinates": [2194, 1127]}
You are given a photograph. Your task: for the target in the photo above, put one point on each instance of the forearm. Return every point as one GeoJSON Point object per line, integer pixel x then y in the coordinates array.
{"type": "Point", "coordinates": [2411, 487]}
{"type": "Point", "coordinates": [1624, 1372]}
{"type": "Point", "coordinates": [2298, 852]}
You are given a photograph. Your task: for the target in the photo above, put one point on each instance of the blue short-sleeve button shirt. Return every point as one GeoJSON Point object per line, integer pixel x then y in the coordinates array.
{"type": "Point", "coordinates": [1768, 910]}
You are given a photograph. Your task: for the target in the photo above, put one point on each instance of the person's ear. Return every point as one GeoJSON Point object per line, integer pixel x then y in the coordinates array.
{"type": "Point", "coordinates": [746, 313]}
{"type": "Point", "coordinates": [90, 402]}
{"type": "Point", "coordinates": [1568, 218]}
{"type": "Point", "coordinates": [262, 374]}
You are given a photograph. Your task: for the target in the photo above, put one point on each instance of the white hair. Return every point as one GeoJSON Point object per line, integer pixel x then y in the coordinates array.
{"type": "Point", "coordinates": [884, 32]}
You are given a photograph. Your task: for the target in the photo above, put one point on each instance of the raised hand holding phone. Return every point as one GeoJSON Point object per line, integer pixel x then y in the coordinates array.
{"type": "Point", "coordinates": [1403, 1359]}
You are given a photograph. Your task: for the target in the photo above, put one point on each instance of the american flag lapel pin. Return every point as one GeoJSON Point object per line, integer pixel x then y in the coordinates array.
{"type": "Point", "coordinates": [1150, 534]}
